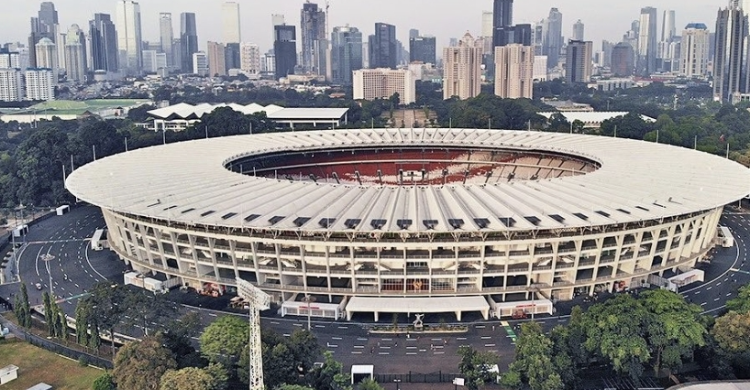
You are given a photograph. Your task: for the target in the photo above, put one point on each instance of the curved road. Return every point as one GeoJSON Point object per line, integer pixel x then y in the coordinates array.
{"type": "Point", "coordinates": [58, 248]}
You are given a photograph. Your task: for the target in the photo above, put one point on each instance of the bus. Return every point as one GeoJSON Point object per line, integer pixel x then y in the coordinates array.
{"type": "Point", "coordinates": [725, 237]}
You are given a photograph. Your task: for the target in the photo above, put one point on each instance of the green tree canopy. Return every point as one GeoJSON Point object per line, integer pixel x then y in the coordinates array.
{"type": "Point", "coordinates": [223, 340]}
{"type": "Point", "coordinates": [476, 366]}
{"type": "Point", "coordinates": [189, 378]}
{"type": "Point", "coordinates": [534, 366]}
{"type": "Point", "coordinates": [740, 303]}
{"type": "Point", "coordinates": [732, 332]}
{"type": "Point", "coordinates": [139, 365]}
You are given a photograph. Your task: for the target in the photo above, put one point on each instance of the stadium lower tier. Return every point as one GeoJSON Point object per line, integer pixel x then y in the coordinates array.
{"type": "Point", "coordinates": [552, 265]}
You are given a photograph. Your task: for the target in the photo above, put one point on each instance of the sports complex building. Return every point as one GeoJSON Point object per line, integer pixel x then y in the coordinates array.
{"type": "Point", "coordinates": [412, 220]}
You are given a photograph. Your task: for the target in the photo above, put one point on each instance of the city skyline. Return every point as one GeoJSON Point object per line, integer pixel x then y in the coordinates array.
{"type": "Point", "coordinates": [608, 22]}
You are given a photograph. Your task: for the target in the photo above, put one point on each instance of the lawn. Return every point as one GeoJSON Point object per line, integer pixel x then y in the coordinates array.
{"type": "Point", "coordinates": [38, 365]}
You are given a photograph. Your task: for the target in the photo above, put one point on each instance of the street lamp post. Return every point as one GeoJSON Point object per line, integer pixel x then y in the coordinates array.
{"type": "Point", "coordinates": [308, 300]}
{"type": "Point", "coordinates": [398, 383]}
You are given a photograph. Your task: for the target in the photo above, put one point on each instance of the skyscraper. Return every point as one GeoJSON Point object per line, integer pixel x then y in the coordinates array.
{"type": "Point", "coordinates": [166, 37]}
{"type": "Point", "coordinates": [276, 20]}
{"type": "Point", "coordinates": [622, 59]}
{"type": "Point", "coordinates": [729, 74]}
{"type": "Point", "coordinates": [250, 58]}
{"type": "Point", "coordinates": [313, 35]}
{"type": "Point", "coordinates": [47, 17]}
{"type": "Point", "coordinates": [188, 40]}
{"type": "Point", "coordinates": [694, 53]}
{"type": "Point", "coordinates": [668, 28]}
{"type": "Point", "coordinates": [521, 34]}
{"type": "Point", "coordinates": [231, 22]}
{"type": "Point", "coordinates": [46, 55]}
{"type": "Point", "coordinates": [578, 61]}
{"type": "Point", "coordinates": [514, 71]}
{"type": "Point", "coordinates": [346, 54]}
{"type": "Point", "coordinates": [383, 48]}
{"type": "Point", "coordinates": [647, 47]}
{"type": "Point", "coordinates": [128, 24]}
{"type": "Point", "coordinates": [413, 33]}
{"type": "Point", "coordinates": [462, 75]}
{"type": "Point", "coordinates": [75, 54]}
{"type": "Point", "coordinates": [217, 64]}
{"type": "Point", "coordinates": [487, 23]}
{"type": "Point", "coordinates": [423, 49]}
{"type": "Point", "coordinates": [553, 38]}
{"type": "Point", "coordinates": [104, 53]}
{"type": "Point", "coordinates": [285, 50]}
{"type": "Point", "coordinates": [502, 13]}
{"type": "Point", "coordinates": [578, 29]}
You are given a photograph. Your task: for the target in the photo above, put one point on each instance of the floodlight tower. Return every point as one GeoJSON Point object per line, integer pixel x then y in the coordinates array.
{"type": "Point", "coordinates": [258, 300]}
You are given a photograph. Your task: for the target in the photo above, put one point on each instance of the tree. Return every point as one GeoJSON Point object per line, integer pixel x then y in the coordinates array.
{"type": "Point", "coordinates": [293, 387]}
{"type": "Point", "coordinates": [732, 332]}
{"type": "Point", "coordinates": [107, 311]}
{"type": "Point", "coordinates": [104, 382]}
{"type": "Point", "coordinates": [144, 308]}
{"type": "Point", "coordinates": [369, 384]}
{"type": "Point", "coordinates": [330, 376]}
{"type": "Point", "coordinates": [475, 366]}
{"type": "Point", "coordinates": [139, 365]}
{"type": "Point", "coordinates": [83, 314]}
{"type": "Point", "coordinates": [48, 314]}
{"type": "Point", "coordinates": [615, 330]}
{"type": "Point", "coordinates": [533, 365]}
{"type": "Point", "coordinates": [223, 340]}
{"type": "Point", "coordinates": [177, 338]}
{"type": "Point", "coordinates": [741, 303]}
{"type": "Point", "coordinates": [674, 328]}
{"type": "Point", "coordinates": [22, 308]}
{"type": "Point", "coordinates": [188, 378]}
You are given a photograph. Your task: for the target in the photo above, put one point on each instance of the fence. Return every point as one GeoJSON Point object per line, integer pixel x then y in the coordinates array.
{"type": "Point", "coordinates": [414, 377]}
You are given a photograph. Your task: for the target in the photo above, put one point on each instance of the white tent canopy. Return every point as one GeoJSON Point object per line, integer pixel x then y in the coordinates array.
{"type": "Point", "coordinates": [417, 305]}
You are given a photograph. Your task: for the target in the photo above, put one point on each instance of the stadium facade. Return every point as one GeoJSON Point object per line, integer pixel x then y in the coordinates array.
{"type": "Point", "coordinates": [412, 220]}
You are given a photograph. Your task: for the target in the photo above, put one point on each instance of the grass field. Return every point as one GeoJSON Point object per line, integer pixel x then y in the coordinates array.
{"type": "Point", "coordinates": [37, 365]}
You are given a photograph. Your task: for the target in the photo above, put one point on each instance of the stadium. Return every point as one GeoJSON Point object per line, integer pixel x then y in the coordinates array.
{"type": "Point", "coordinates": [412, 220]}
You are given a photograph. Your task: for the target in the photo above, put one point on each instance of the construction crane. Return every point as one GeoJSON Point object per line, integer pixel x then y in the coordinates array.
{"type": "Point", "coordinates": [257, 300]}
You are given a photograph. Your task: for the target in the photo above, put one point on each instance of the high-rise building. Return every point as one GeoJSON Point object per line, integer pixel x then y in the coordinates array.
{"type": "Point", "coordinates": [730, 75]}
{"type": "Point", "coordinates": [166, 37]}
{"type": "Point", "coordinates": [622, 59]}
{"type": "Point", "coordinates": [285, 50]}
{"type": "Point", "coordinates": [346, 54]}
{"type": "Point", "coordinates": [128, 24]}
{"type": "Point", "coordinates": [647, 47]}
{"type": "Point", "coordinates": [553, 38]}
{"type": "Point", "coordinates": [578, 61]}
{"type": "Point", "coordinates": [233, 55]}
{"type": "Point", "coordinates": [200, 63]}
{"type": "Point", "coordinates": [514, 71]}
{"type": "Point", "coordinates": [578, 29]}
{"type": "Point", "coordinates": [276, 20]}
{"type": "Point", "coordinates": [46, 54]}
{"type": "Point", "coordinates": [103, 36]}
{"type": "Point", "coordinates": [40, 84]}
{"type": "Point", "coordinates": [149, 61]}
{"type": "Point", "coordinates": [668, 28]}
{"type": "Point", "coordinates": [11, 85]}
{"type": "Point", "coordinates": [371, 84]}
{"type": "Point", "coordinates": [694, 50]}
{"type": "Point", "coordinates": [383, 47]}
{"type": "Point", "coordinates": [231, 22]}
{"type": "Point", "coordinates": [607, 47]}
{"type": "Point", "coordinates": [75, 54]}
{"type": "Point", "coordinates": [188, 40]}
{"type": "Point", "coordinates": [47, 19]}
{"type": "Point", "coordinates": [487, 23]}
{"type": "Point", "coordinates": [413, 33]}
{"type": "Point", "coordinates": [521, 34]}
{"type": "Point", "coordinates": [217, 60]}
{"type": "Point", "coordinates": [423, 49]}
{"type": "Point", "coordinates": [502, 13]}
{"type": "Point", "coordinates": [10, 59]}
{"type": "Point", "coordinates": [250, 58]}
{"type": "Point", "coordinates": [313, 35]}
{"type": "Point", "coordinates": [462, 69]}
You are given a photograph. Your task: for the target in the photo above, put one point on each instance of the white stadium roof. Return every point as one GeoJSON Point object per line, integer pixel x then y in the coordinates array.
{"type": "Point", "coordinates": [187, 182]}
{"type": "Point", "coordinates": [188, 111]}
{"type": "Point", "coordinates": [592, 117]}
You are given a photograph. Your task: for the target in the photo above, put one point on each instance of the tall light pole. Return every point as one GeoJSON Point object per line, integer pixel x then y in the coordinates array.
{"type": "Point", "coordinates": [258, 300]}
{"type": "Point", "coordinates": [309, 299]}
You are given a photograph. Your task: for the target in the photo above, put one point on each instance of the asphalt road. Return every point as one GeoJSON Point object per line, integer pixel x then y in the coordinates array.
{"type": "Point", "coordinates": [58, 248]}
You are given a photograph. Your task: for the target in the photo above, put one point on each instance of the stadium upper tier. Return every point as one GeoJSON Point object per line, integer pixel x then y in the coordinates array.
{"type": "Point", "coordinates": [410, 181]}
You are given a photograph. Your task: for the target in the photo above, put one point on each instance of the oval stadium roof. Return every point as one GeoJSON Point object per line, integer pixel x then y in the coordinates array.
{"type": "Point", "coordinates": [188, 182]}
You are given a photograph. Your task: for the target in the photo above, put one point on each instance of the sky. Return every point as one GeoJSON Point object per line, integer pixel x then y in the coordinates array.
{"type": "Point", "coordinates": [445, 19]}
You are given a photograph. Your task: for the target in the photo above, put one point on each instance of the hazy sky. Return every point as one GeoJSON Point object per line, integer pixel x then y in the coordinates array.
{"type": "Point", "coordinates": [603, 19]}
